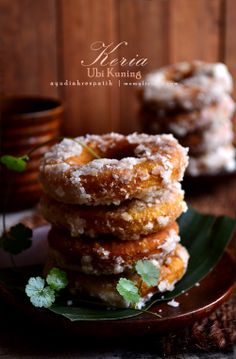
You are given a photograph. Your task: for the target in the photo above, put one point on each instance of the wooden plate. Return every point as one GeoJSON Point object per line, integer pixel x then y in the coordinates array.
{"type": "Point", "coordinates": [193, 305]}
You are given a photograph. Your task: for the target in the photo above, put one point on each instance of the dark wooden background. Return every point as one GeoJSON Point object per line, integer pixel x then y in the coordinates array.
{"type": "Point", "coordinates": [43, 41]}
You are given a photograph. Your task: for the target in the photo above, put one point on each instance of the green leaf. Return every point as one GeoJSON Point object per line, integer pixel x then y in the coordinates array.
{"type": "Point", "coordinates": [79, 312]}
{"type": "Point", "coordinates": [205, 237]}
{"type": "Point", "coordinates": [128, 290]}
{"type": "Point", "coordinates": [17, 239]}
{"type": "Point", "coordinates": [35, 284]}
{"type": "Point", "coordinates": [17, 164]}
{"type": "Point", "coordinates": [40, 296]}
{"type": "Point", "coordinates": [57, 279]}
{"type": "Point", "coordinates": [148, 272]}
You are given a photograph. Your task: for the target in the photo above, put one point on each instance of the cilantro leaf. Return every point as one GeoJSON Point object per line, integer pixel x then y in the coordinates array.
{"type": "Point", "coordinates": [57, 279]}
{"type": "Point", "coordinates": [17, 239]}
{"type": "Point", "coordinates": [148, 272]}
{"type": "Point", "coordinates": [13, 163]}
{"type": "Point", "coordinates": [34, 284]}
{"type": "Point", "coordinates": [128, 290]}
{"type": "Point", "coordinates": [40, 296]}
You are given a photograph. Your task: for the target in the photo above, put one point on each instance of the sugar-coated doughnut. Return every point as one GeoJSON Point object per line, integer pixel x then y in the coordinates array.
{"type": "Point", "coordinates": [221, 159]}
{"type": "Point", "coordinates": [155, 120]}
{"type": "Point", "coordinates": [129, 221]}
{"type": "Point", "coordinates": [129, 167]}
{"type": "Point", "coordinates": [104, 287]}
{"type": "Point", "coordinates": [218, 134]}
{"type": "Point", "coordinates": [109, 255]}
{"type": "Point", "coordinates": [187, 85]}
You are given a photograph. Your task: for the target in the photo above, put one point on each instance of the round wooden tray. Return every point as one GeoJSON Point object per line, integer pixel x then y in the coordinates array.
{"type": "Point", "coordinates": [198, 302]}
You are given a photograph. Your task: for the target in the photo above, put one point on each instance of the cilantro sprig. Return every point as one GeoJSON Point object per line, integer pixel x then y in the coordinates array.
{"type": "Point", "coordinates": [42, 295]}
{"type": "Point", "coordinates": [14, 163]}
{"type": "Point", "coordinates": [128, 289]}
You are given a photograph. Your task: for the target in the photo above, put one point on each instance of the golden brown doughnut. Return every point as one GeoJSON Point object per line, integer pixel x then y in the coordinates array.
{"type": "Point", "coordinates": [130, 167]}
{"type": "Point", "coordinates": [221, 159]}
{"type": "Point", "coordinates": [129, 221]}
{"type": "Point", "coordinates": [187, 85]}
{"type": "Point", "coordinates": [181, 123]}
{"type": "Point", "coordinates": [109, 256]}
{"type": "Point", "coordinates": [104, 287]}
{"type": "Point", "coordinates": [218, 134]}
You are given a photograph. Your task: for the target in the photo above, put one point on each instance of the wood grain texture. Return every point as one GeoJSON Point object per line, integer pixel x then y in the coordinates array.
{"type": "Point", "coordinates": [44, 41]}
{"type": "Point", "coordinates": [230, 43]}
{"type": "Point", "coordinates": [145, 28]}
{"type": "Point", "coordinates": [28, 46]}
{"type": "Point", "coordinates": [230, 40]}
{"type": "Point", "coordinates": [195, 27]}
{"type": "Point", "coordinates": [89, 109]}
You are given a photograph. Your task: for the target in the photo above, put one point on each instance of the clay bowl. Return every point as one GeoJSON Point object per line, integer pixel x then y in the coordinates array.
{"type": "Point", "coordinates": [26, 122]}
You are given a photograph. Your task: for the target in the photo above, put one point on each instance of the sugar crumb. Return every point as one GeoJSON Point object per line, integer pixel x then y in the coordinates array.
{"type": "Point", "coordinates": [173, 303]}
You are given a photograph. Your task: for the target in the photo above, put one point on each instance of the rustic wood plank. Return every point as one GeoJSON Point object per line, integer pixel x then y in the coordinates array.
{"type": "Point", "coordinates": [89, 109]}
{"type": "Point", "coordinates": [195, 27]}
{"type": "Point", "coordinates": [28, 49]}
{"type": "Point", "coordinates": [144, 25]}
{"type": "Point", "coordinates": [230, 43]}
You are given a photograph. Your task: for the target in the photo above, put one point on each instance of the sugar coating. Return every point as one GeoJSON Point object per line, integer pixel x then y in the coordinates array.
{"type": "Point", "coordinates": [163, 220]}
{"type": "Point", "coordinates": [164, 286]}
{"type": "Point", "coordinates": [126, 216]}
{"type": "Point", "coordinates": [64, 150]}
{"type": "Point", "coordinates": [183, 254]}
{"type": "Point", "coordinates": [130, 220]}
{"type": "Point", "coordinates": [218, 134]}
{"type": "Point", "coordinates": [171, 241]}
{"type": "Point", "coordinates": [203, 84]}
{"type": "Point", "coordinates": [72, 179]}
{"type": "Point", "coordinates": [173, 303]}
{"type": "Point", "coordinates": [77, 226]}
{"type": "Point", "coordinates": [141, 303]}
{"type": "Point", "coordinates": [208, 115]}
{"type": "Point", "coordinates": [102, 261]}
{"type": "Point", "coordinates": [103, 253]}
{"type": "Point", "coordinates": [222, 158]}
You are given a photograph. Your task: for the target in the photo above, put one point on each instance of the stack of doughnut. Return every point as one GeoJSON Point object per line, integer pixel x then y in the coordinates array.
{"type": "Point", "coordinates": [192, 101]}
{"type": "Point", "coordinates": [113, 200]}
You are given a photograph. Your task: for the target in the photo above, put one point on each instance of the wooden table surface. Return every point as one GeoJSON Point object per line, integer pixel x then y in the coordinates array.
{"type": "Point", "coordinates": [18, 339]}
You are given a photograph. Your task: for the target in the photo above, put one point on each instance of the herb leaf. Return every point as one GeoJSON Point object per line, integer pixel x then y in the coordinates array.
{"type": "Point", "coordinates": [128, 290]}
{"type": "Point", "coordinates": [57, 279]}
{"type": "Point", "coordinates": [148, 272]}
{"type": "Point", "coordinates": [17, 239]}
{"type": "Point", "coordinates": [40, 296]}
{"type": "Point", "coordinates": [13, 163]}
